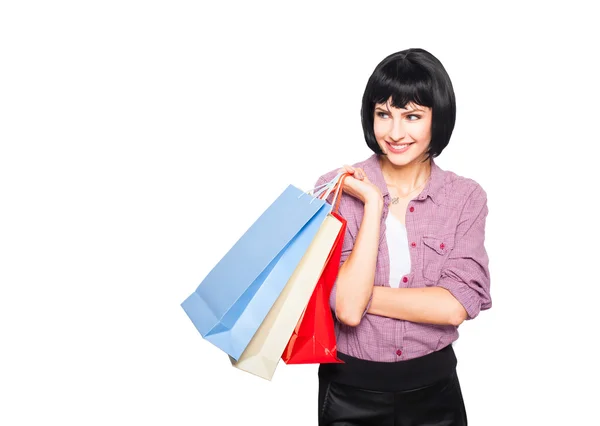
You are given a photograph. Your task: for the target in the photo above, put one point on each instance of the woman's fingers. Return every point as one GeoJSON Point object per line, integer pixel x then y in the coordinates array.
{"type": "Point", "coordinates": [347, 169]}
{"type": "Point", "coordinates": [360, 187]}
{"type": "Point", "coordinates": [356, 172]}
{"type": "Point", "coordinates": [359, 174]}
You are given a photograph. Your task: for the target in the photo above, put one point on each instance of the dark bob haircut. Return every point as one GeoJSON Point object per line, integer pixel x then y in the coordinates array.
{"type": "Point", "coordinates": [412, 75]}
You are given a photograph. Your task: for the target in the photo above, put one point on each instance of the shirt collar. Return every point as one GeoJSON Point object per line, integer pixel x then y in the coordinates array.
{"type": "Point", "coordinates": [434, 188]}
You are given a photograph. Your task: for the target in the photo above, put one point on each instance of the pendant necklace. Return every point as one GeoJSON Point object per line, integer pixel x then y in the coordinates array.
{"type": "Point", "coordinates": [396, 200]}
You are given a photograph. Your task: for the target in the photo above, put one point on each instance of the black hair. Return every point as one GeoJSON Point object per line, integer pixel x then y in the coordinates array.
{"type": "Point", "coordinates": [411, 75]}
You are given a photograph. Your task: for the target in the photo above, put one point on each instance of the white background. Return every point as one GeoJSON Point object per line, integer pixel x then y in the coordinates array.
{"type": "Point", "coordinates": [139, 140]}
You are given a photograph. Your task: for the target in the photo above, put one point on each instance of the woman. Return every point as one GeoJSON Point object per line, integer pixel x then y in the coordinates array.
{"type": "Point", "coordinates": [413, 265]}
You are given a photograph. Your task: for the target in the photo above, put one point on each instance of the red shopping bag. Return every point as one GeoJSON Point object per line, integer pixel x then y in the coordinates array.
{"type": "Point", "coordinates": [313, 340]}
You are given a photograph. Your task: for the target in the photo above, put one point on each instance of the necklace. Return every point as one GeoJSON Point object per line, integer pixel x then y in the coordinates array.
{"type": "Point", "coordinates": [396, 200]}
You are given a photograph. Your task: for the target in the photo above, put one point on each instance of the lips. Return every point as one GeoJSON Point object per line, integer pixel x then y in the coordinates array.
{"type": "Point", "coordinates": [399, 148]}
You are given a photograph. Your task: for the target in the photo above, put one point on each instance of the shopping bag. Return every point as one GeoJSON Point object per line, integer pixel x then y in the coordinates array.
{"type": "Point", "coordinates": [232, 301]}
{"type": "Point", "coordinates": [263, 353]}
{"type": "Point", "coordinates": [313, 341]}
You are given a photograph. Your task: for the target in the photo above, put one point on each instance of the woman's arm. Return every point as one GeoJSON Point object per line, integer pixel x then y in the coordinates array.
{"type": "Point", "coordinates": [353, 289]}
{"type": "Point", "coordinates": [463, 289]}
{"type": "Point", "coordinates": [356, 276]}
{"type": "Point", "coordinates": [431, 305]}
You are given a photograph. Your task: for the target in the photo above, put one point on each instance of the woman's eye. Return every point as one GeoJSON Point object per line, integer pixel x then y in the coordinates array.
{"type": "Point", "coordinates": [381, 114]}
{"type": "Point", "coordinates": [414, 115]}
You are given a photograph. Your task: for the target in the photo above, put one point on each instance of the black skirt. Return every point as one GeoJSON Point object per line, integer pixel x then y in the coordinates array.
{"type": "Point", "coordinates": [422, 391]}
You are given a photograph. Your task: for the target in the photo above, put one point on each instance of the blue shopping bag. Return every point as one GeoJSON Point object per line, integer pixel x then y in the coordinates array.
{"type": "Point", "coordinates": [235, 297]}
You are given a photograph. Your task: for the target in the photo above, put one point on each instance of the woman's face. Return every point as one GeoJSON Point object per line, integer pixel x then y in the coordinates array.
{"type": "Point", "coordinates": [402, 133]}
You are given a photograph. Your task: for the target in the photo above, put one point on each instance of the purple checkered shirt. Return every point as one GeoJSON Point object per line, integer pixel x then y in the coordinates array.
{"type": "Point", "coordinates": [446, 223]}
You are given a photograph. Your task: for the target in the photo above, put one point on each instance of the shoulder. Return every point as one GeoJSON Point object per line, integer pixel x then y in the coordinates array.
{"type": "Point", "coordinates": [463, 194]}
{"type": "Point", "coordinates": [462, 187]}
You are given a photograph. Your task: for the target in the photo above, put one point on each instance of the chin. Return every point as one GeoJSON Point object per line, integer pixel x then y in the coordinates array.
{"type": "Point", "coordinates": [402, 160]}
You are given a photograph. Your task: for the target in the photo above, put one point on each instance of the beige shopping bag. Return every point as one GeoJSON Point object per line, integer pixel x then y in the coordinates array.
{"type": "Point", "coordinates": [263, 353]}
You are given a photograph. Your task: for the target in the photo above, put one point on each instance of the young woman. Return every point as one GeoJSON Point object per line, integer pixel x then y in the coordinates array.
{"type": "Point", "coordinates": [413, 266]}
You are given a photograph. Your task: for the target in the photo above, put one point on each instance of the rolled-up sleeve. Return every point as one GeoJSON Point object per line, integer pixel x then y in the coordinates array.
{"type": "Point", "coordinates": [466, 271]}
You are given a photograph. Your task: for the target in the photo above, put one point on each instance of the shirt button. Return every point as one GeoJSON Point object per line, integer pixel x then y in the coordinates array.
{"type": "Point", "coordinates": [398, 352]}
{"type": "Point", "coordinates": [404, 279]}
{"type": "Point", "coordinates": [413, 244]}
{"type": "Point", "coordinates": [442, 246]}
{"type": "Point", "coordinates": [412, 209]}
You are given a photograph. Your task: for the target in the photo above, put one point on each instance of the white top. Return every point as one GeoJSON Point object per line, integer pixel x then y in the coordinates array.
{"type": "Point", "coordinates": [397, 242]}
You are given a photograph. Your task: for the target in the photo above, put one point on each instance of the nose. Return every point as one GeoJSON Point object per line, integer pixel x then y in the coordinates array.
{"type": "Point", "coordinates": [397, 132]}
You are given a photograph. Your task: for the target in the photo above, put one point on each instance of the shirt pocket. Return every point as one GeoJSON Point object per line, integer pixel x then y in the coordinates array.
{"type": "Point", "coordinates": [436, 250]}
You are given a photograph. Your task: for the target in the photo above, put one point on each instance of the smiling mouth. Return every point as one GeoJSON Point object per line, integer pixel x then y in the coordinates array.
{"type": "Point", "coordinates": [399, 148]}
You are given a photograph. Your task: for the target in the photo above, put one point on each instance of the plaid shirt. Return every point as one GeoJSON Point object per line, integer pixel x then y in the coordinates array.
{"type": "Point", "coordinates": [445, 225]}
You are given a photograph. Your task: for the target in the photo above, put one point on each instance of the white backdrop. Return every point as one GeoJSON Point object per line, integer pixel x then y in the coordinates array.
{"type": "Point", "coordinates": [139, 140]}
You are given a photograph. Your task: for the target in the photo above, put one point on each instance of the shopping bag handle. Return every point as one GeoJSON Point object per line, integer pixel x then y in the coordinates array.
{"type": "Point", "coordinates": [326, 188]}
{"type": "Point", "coordinates": [332, 186]}
{"type": "Point", "coordinates": [338, 192]}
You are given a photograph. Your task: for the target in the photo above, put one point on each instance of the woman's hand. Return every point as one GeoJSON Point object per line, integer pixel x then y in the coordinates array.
{"type": "Point", "coordinates": [359, 186]}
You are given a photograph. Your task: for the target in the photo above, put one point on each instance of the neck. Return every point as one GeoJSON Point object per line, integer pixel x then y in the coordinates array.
{"type": "Point", "coordinates": [407, 177]}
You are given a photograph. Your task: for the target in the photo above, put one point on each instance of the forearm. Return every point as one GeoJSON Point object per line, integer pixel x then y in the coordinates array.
{"type": "Point", "coordinates": [356, 276]}
{"type": "Point", "coordinates": [430, 305]}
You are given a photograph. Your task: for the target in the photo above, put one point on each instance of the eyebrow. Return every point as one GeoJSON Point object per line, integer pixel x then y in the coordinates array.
{"type": "Point", "coordinates": [406, 112]}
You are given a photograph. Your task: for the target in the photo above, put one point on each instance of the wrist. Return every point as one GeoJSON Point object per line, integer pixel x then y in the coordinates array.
{"type": "Point", "coordinates": [374, 203]}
